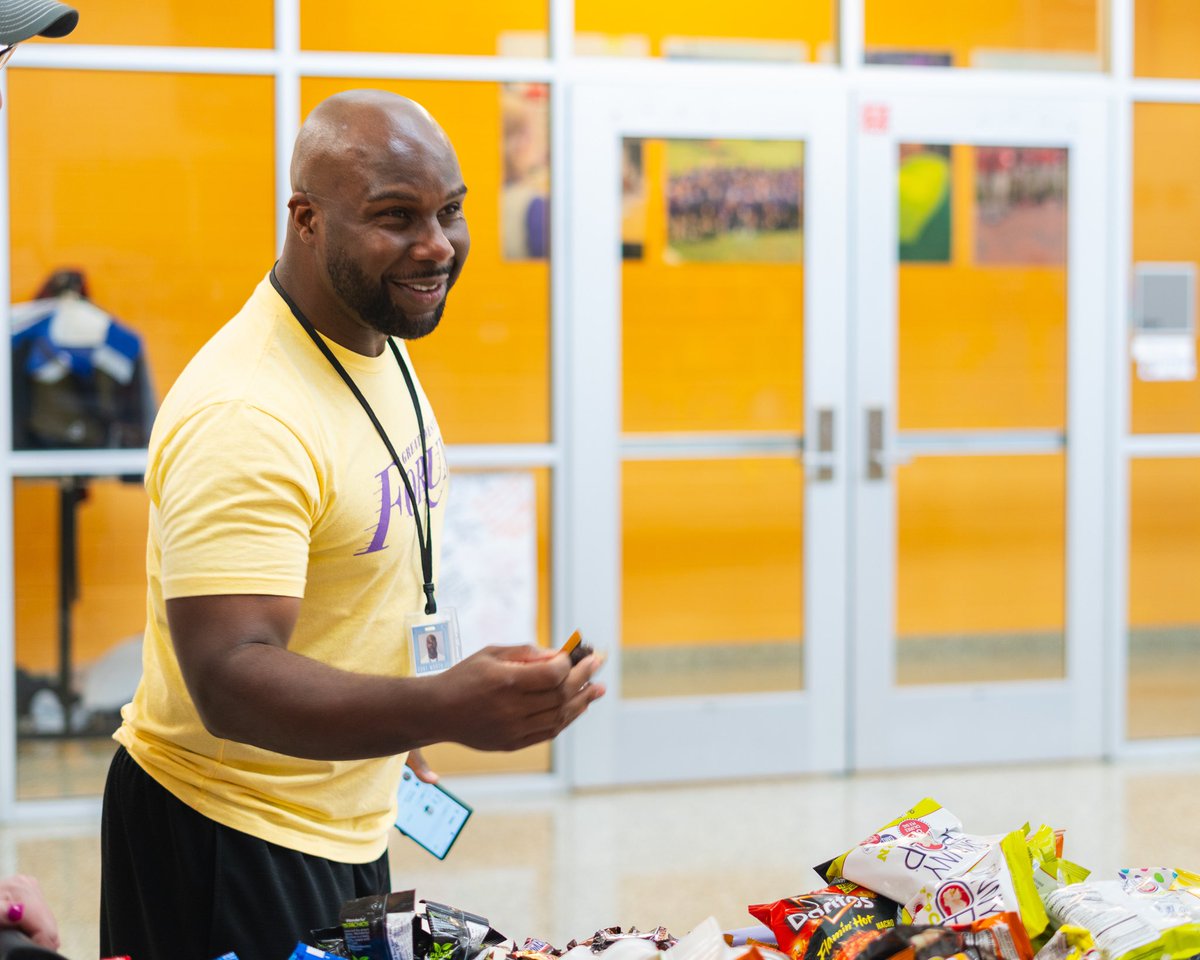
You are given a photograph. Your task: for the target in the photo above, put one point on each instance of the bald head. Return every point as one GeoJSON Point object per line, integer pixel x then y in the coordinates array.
{"type": "Point", "coordinates": [377, 235]}
{"type": "Point", "coordinates": [357, 128]}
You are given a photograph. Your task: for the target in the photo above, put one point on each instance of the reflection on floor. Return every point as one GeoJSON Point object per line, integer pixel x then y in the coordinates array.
{"type": "Point", "coordinates": [561, 866]}
{"type": "Point", "coordinates": [62, 767]}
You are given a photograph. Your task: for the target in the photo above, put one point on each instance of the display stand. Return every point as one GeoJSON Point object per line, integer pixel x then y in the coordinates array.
{"type": "Point", "coordinates": [71, 492]}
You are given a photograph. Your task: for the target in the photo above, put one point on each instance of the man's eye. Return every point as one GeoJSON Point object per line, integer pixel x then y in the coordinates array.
{"type": "Point", "coordinates": [396, 213]}
{"type": "Point", "coordinates": [452, 210]}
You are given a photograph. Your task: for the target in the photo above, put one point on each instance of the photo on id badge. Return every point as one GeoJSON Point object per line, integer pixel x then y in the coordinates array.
{"type": "Point", "coordinates": [433, 641]}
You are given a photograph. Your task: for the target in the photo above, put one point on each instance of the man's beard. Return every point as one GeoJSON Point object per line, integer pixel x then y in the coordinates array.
{"type": "Point", "coordinates": [373, 302]}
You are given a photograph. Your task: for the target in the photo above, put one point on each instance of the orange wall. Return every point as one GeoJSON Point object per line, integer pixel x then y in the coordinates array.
{"type": "Point", "coordinates": [384, 26]}
{"type": "Point", "coordinates": [932, 25]}
{"type": "Point", "coordinates": [812, 22]}
{"type": "Point", "coordinates": [710, 347]}
{"type": "Point", "coordinates": [959, 28]}
{"type": "Point", "coordinates": [1164, 527]}
{"type": "Point", "coordinates": [1166, 226]}
{"type": "Point", "coordinates": [167, 204]}
{"type": "Point", "coordinates": [181, 227]}
{"type": "Point", "coordinates": [1164, 530]}
{"type": "Point", "coordinates": [164, 200]}
{"type": "Point", "coordinates": [1164, 36]}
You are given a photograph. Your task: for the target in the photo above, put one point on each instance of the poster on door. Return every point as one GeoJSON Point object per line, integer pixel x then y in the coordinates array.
{"type": "Point", "coordinates": [735, 201]}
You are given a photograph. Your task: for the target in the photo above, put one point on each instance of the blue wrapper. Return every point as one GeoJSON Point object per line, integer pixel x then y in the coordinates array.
{"type": "Point", "coordinates": [304, 952]}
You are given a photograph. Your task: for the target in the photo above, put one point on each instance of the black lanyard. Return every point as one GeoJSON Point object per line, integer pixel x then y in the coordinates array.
{"type": "Point", "coordinates": [424, 542]}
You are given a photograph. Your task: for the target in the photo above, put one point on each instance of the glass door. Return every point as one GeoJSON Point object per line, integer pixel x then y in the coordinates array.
{"type": "Point", "coordinates": [979, 484]}
{"type": "Point", "coordinates": [706, 429]}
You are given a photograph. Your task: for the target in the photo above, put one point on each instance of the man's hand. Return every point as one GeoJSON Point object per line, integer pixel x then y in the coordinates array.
{"type": "Point", "coordinates": [416, 763]}
{"type": "Point", "coordinates": [506, 698]}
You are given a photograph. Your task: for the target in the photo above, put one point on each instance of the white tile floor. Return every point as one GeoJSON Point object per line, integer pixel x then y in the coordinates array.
{"type": "Point", "coordinates": [559, 867]}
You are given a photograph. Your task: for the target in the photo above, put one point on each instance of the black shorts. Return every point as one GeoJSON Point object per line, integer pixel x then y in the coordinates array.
{"type": "Point", "coordinates": [177, 886]}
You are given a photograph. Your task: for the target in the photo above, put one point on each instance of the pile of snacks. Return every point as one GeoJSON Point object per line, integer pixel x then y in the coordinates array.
{"type": "Point", "coordinates": [919, 888]}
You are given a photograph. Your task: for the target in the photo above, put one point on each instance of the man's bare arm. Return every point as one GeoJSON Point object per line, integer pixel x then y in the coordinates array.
{"type": "Point", "coordinates": [249, 687]}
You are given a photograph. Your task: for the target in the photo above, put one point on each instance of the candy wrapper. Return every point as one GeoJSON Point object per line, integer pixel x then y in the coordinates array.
{"type": "Point", "coordinates": [304, 952]}
{"type": "Point", "coordinates": [707, 942]}
{"type": "Point", "coordinates": [602, 940]}
{"type": "Point", "coordinates": [379, 927]}
{"type": "Point", "coordinates": [999, 937]}
{"type": "Point", "coordinates": [448, 933]}
{"type": "Point", "coordinates": [616, 944]}
{"type": "Point", "coordinates": [330, 940]}
{"type": "Point", "coordinates": [534, 949]}
{"type": "Point", "coordinates": [940, 875]}
{"type": "Point", "coordinates": [834, 923]}
{"type": "Point", "coordinates": [1148, 914]}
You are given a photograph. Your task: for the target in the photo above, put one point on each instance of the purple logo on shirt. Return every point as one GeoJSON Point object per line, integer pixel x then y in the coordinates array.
{"type": "Point", "coordinates": [393, 496]}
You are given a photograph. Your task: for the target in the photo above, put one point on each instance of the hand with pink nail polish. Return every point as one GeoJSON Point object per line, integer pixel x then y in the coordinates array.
{"type": "Point", "coordinates": [22, 906]}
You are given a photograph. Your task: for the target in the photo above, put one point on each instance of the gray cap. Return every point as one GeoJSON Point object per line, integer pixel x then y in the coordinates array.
{"type": "Point", "coordinates": [22, 19]}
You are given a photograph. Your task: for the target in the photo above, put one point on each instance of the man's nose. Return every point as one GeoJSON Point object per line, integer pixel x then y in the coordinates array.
{"type": "Point", "coordinates": [433, 244]}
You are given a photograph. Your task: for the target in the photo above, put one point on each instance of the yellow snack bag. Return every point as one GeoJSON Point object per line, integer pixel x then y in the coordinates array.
{"type": "Point", "coordinates": [940, 875]}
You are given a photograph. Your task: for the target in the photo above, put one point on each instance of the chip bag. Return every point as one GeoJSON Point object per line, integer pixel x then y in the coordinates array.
{"type": "Point", "coordinates": [834, 923]}
{"type": "Point", "coordinates": [1069, 943]}
{"type": "Point", "coordinates": [940, 875]}
{"type": "Point", "coordinates": [1145, 915]}
{"type": "Point", "coordinates": [1050, 869]}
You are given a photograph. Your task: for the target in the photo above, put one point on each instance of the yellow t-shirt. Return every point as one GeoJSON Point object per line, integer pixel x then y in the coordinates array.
{"type": "Point", "coordinates": [265, 476]}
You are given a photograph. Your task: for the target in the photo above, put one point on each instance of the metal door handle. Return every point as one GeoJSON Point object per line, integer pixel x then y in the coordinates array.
{"type": "Point", "coordinates": [821, 461]}
{"type": "Point", "coordinates": [879, 456]}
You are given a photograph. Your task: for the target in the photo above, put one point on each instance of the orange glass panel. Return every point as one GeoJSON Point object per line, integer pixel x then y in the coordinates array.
{"type": "Point", "coordinates": [980, 568]}
{"type": "Point", "coordinates": [1166, 228]}
{"type": "Point", "coordinates": [713, 336]}
{"type": "Point", "coordinates": [713, 581]}
{"type": "Point", "coordinates": [164, 199]}
{"type": "Point", "coordinates": [1164, 605]}
{"type": "Point", "coordinates": [1164, 39]}
{"type": "Point", "coordinates": [1041, 34]}
{"type": "Point", "coordinates": [100, 627]}
{"type": "Point", "coordinates": [111, 546]}
{"type": "Point", "coordinates": [487, 367]}
{"type": "Point", "coordinates": [982, 325]}
{"type": "Point", "coordinates": [176, 23]}
{"type": "Point", "coordinates": [512, 28]}
{"type": "Point", "coordinates": [798, 32]}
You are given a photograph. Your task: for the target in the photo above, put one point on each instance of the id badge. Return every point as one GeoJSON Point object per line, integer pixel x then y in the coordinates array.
{"type": "Point", "coordinates": [433, 641]}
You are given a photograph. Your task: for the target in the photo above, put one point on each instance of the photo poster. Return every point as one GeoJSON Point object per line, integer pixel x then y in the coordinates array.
{"type": "Point", "coordinates": [488, 570]}
{"type": "Point", "coordinates": [735, 201]}
{"type": "Point", "coordinates": [1021, 206]}
{"type": "Point", "coordinates": [525, 190]}
{"type": "Point", "coordinates": [633, 199]}
{"type": "Point", "coordinates": [924, 209]}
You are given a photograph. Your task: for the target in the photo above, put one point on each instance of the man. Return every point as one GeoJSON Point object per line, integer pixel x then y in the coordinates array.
{"type": "Point", "coordinates": [297, 481]}
{"type": "Point", "coordinates": [22, 19]}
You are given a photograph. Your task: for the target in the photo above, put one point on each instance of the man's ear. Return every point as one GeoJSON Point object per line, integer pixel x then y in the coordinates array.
{"type": "Point", "coordinates": [301, 214]}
